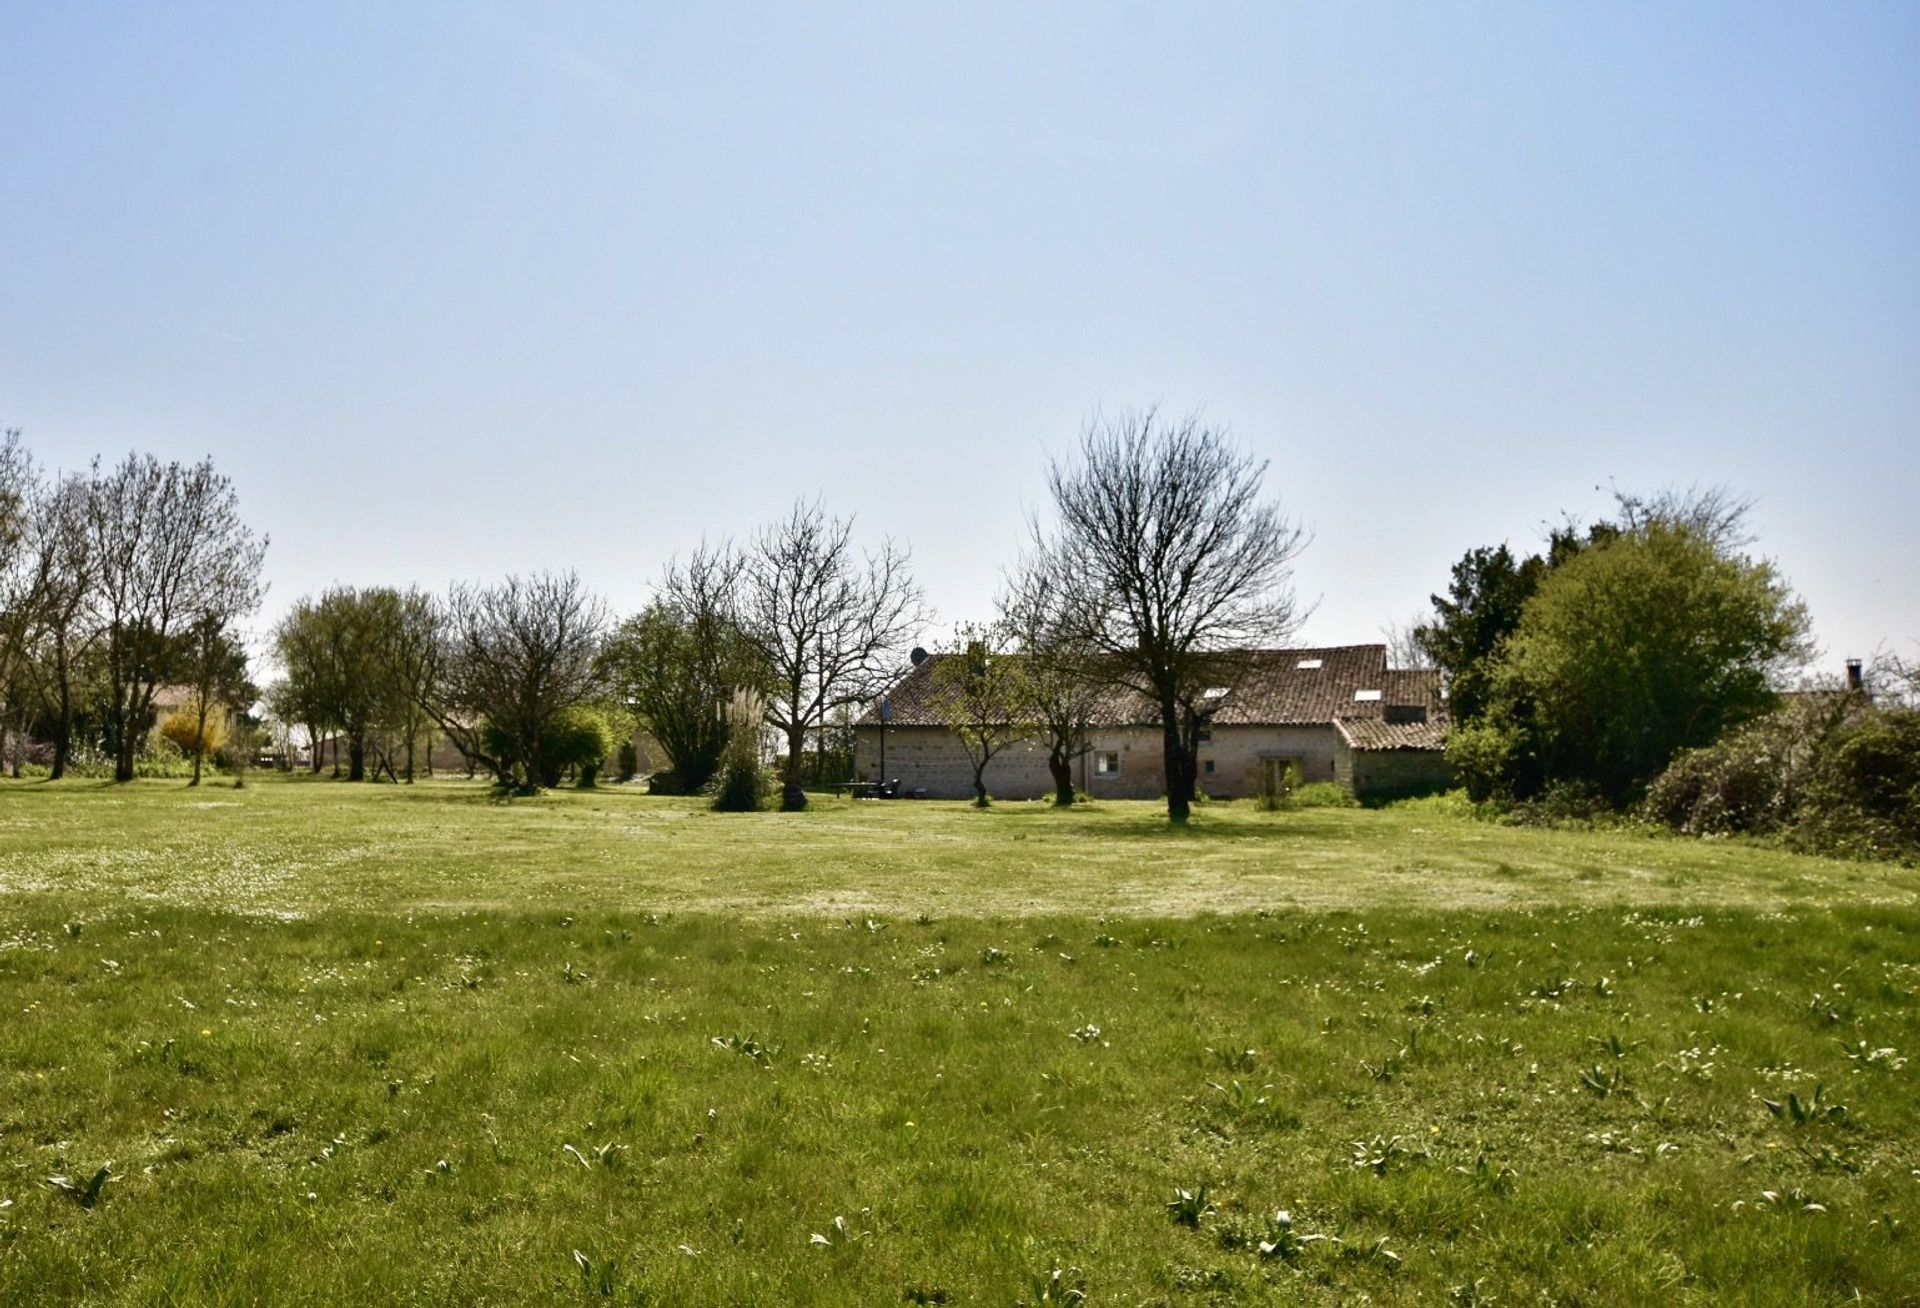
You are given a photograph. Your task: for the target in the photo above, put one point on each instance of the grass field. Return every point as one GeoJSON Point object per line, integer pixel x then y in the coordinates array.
{"type": "Point", "coordinates": [377, 1044]}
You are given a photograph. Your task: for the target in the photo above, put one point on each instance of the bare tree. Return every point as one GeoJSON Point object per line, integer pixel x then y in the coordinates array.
{"type": "Point", "coordinates": [1405, 648]}
{"type": "Point", "coordinates": [45, 583]}
{"type": "Point", "coordinates": [169, 549]}
{"type": "Point", "coordinates": [516, 655]}
{"type": "Point", "coordinates": [406, 635]}
{"type": "Point", "coordinates": [1064, 686]}
{"type": "Point", "coordinates": [826, 617]}
{"type": "Point", "coordinates": [1172, 568]}
{"type": "Point", "coordinates": [21, 567]}
{"type": "Point", "coordinates": [1893, 681]}
{"type": "Point", "coordinates": [64, 632]}
{"type": "Point", "coordinates": [1716, 514]}
{"type": "Point", "coordinates": [982, 694]}
{"type": "Point", "coordinates": [17, 476]}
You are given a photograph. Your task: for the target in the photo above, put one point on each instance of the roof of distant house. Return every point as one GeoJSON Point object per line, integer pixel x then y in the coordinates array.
{"type": "Point", "coordinates": [1377, 734]}
{"type": "Point", "coordinates": [1273, 687]}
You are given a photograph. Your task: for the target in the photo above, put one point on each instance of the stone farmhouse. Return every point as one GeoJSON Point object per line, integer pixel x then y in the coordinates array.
{"type": "Point", "coordinates": [1339, 714]}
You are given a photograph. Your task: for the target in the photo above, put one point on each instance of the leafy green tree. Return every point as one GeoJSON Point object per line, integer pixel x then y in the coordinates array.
{"type": "Point", "coordinates": [1480, 610]}
{"type": "Point", "coordinates": [1482, 607]}
{"type": "Point", "coordinates": [214, 662]}
{"type": "Point", "coordinates": [303, 696]}
{"type": "Point", "coordinates": [677, 663]}
{"type": "Point", "coordinates": [333, 650]}
{"type": "Point", "coordinates": [1656, 639]}
{"type": "Point", "coordinates": [578, 738]}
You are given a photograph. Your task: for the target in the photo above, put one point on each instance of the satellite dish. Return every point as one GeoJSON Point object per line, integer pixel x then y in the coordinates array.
{"type": "Point", "coordinates": [918, 656]}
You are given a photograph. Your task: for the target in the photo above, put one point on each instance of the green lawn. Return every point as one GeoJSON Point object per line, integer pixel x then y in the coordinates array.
{"type": "Point", "coordinates": [379, 1044]}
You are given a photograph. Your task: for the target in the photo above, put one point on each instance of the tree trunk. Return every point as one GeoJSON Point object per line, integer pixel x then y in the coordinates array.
{"type": "Point", "coordinates": [409, 758]}
{"type": "Point", "coordinates": [63, 718]}
{"type": "Point", "coordinates": [62, 734]}
{"type": "Point", "coordinates": [336, 756]}
{"type": "Point", "coordinates": [356, 758]}
{"type": "Point", "coordinates": [796, 752]}
{"type": "Point", "coordinates": [793, 795]}
{"type": "Point", "coordinates": [1061, 766]}
{"type": "Point", "coordinates": [1179, 788]}
{"type": "Point", "coordinates": [199, 740]}
{"type": "Point", "coordinates": [130, 737]}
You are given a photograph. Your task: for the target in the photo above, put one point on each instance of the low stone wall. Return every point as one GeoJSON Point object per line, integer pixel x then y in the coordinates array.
{"type": "Point", "coordinates": [1392, 773]}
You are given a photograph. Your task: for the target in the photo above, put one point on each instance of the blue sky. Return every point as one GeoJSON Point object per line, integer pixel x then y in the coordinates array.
{"type": "Point", "coordinates": [453, 290]}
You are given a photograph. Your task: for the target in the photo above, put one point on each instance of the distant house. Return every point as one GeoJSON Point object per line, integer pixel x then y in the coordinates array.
{"type": "Point", "coordinates": [1339, 714]}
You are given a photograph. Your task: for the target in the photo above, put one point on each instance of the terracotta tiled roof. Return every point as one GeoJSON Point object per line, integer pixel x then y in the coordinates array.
{"type": "Point", "coordinates": [169, 696]}
{"type": "Point", "coordinates": [1281, 687]}
{"type": "Point", "coordinates": [1372, 734]}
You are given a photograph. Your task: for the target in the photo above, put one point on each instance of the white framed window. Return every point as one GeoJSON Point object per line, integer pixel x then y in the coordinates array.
{"type": "Point", "coordinates": [1106, 763]}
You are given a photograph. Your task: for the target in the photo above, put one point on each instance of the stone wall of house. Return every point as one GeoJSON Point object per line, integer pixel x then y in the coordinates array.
{"type": "Point", "coordinates": [1142, 760]}
{"type": "Point", "coordinates": [932, 759]}
{"type": "Point", "coordinates": [1240, 755]}
{"type": "Point", "coordinates": [1387, 773]}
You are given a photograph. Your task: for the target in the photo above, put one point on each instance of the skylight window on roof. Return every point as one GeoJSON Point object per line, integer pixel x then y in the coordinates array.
{"type": "Point", "coordinates": [1365, 696]}
{"type": "Point", "coordinates": [1310, 664]}
{"type": "Point", "coordinates": [1214, 692]}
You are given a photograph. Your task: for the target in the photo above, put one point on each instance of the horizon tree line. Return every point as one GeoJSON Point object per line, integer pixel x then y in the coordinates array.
{"type": "Point", "coordinates": [1163, 561]}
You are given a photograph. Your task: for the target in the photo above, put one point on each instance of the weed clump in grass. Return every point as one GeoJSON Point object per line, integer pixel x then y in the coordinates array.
{"type": "Point", "coordinates": [85, 1193]}
{"type": "Point", "coordinates": [1187, 1207]}
{"type": "Point", "coordinates": [1323, 794]}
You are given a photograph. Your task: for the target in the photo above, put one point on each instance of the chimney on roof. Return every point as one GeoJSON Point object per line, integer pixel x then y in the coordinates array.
{"type": "Point", "coordinates": [1855, 681]}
